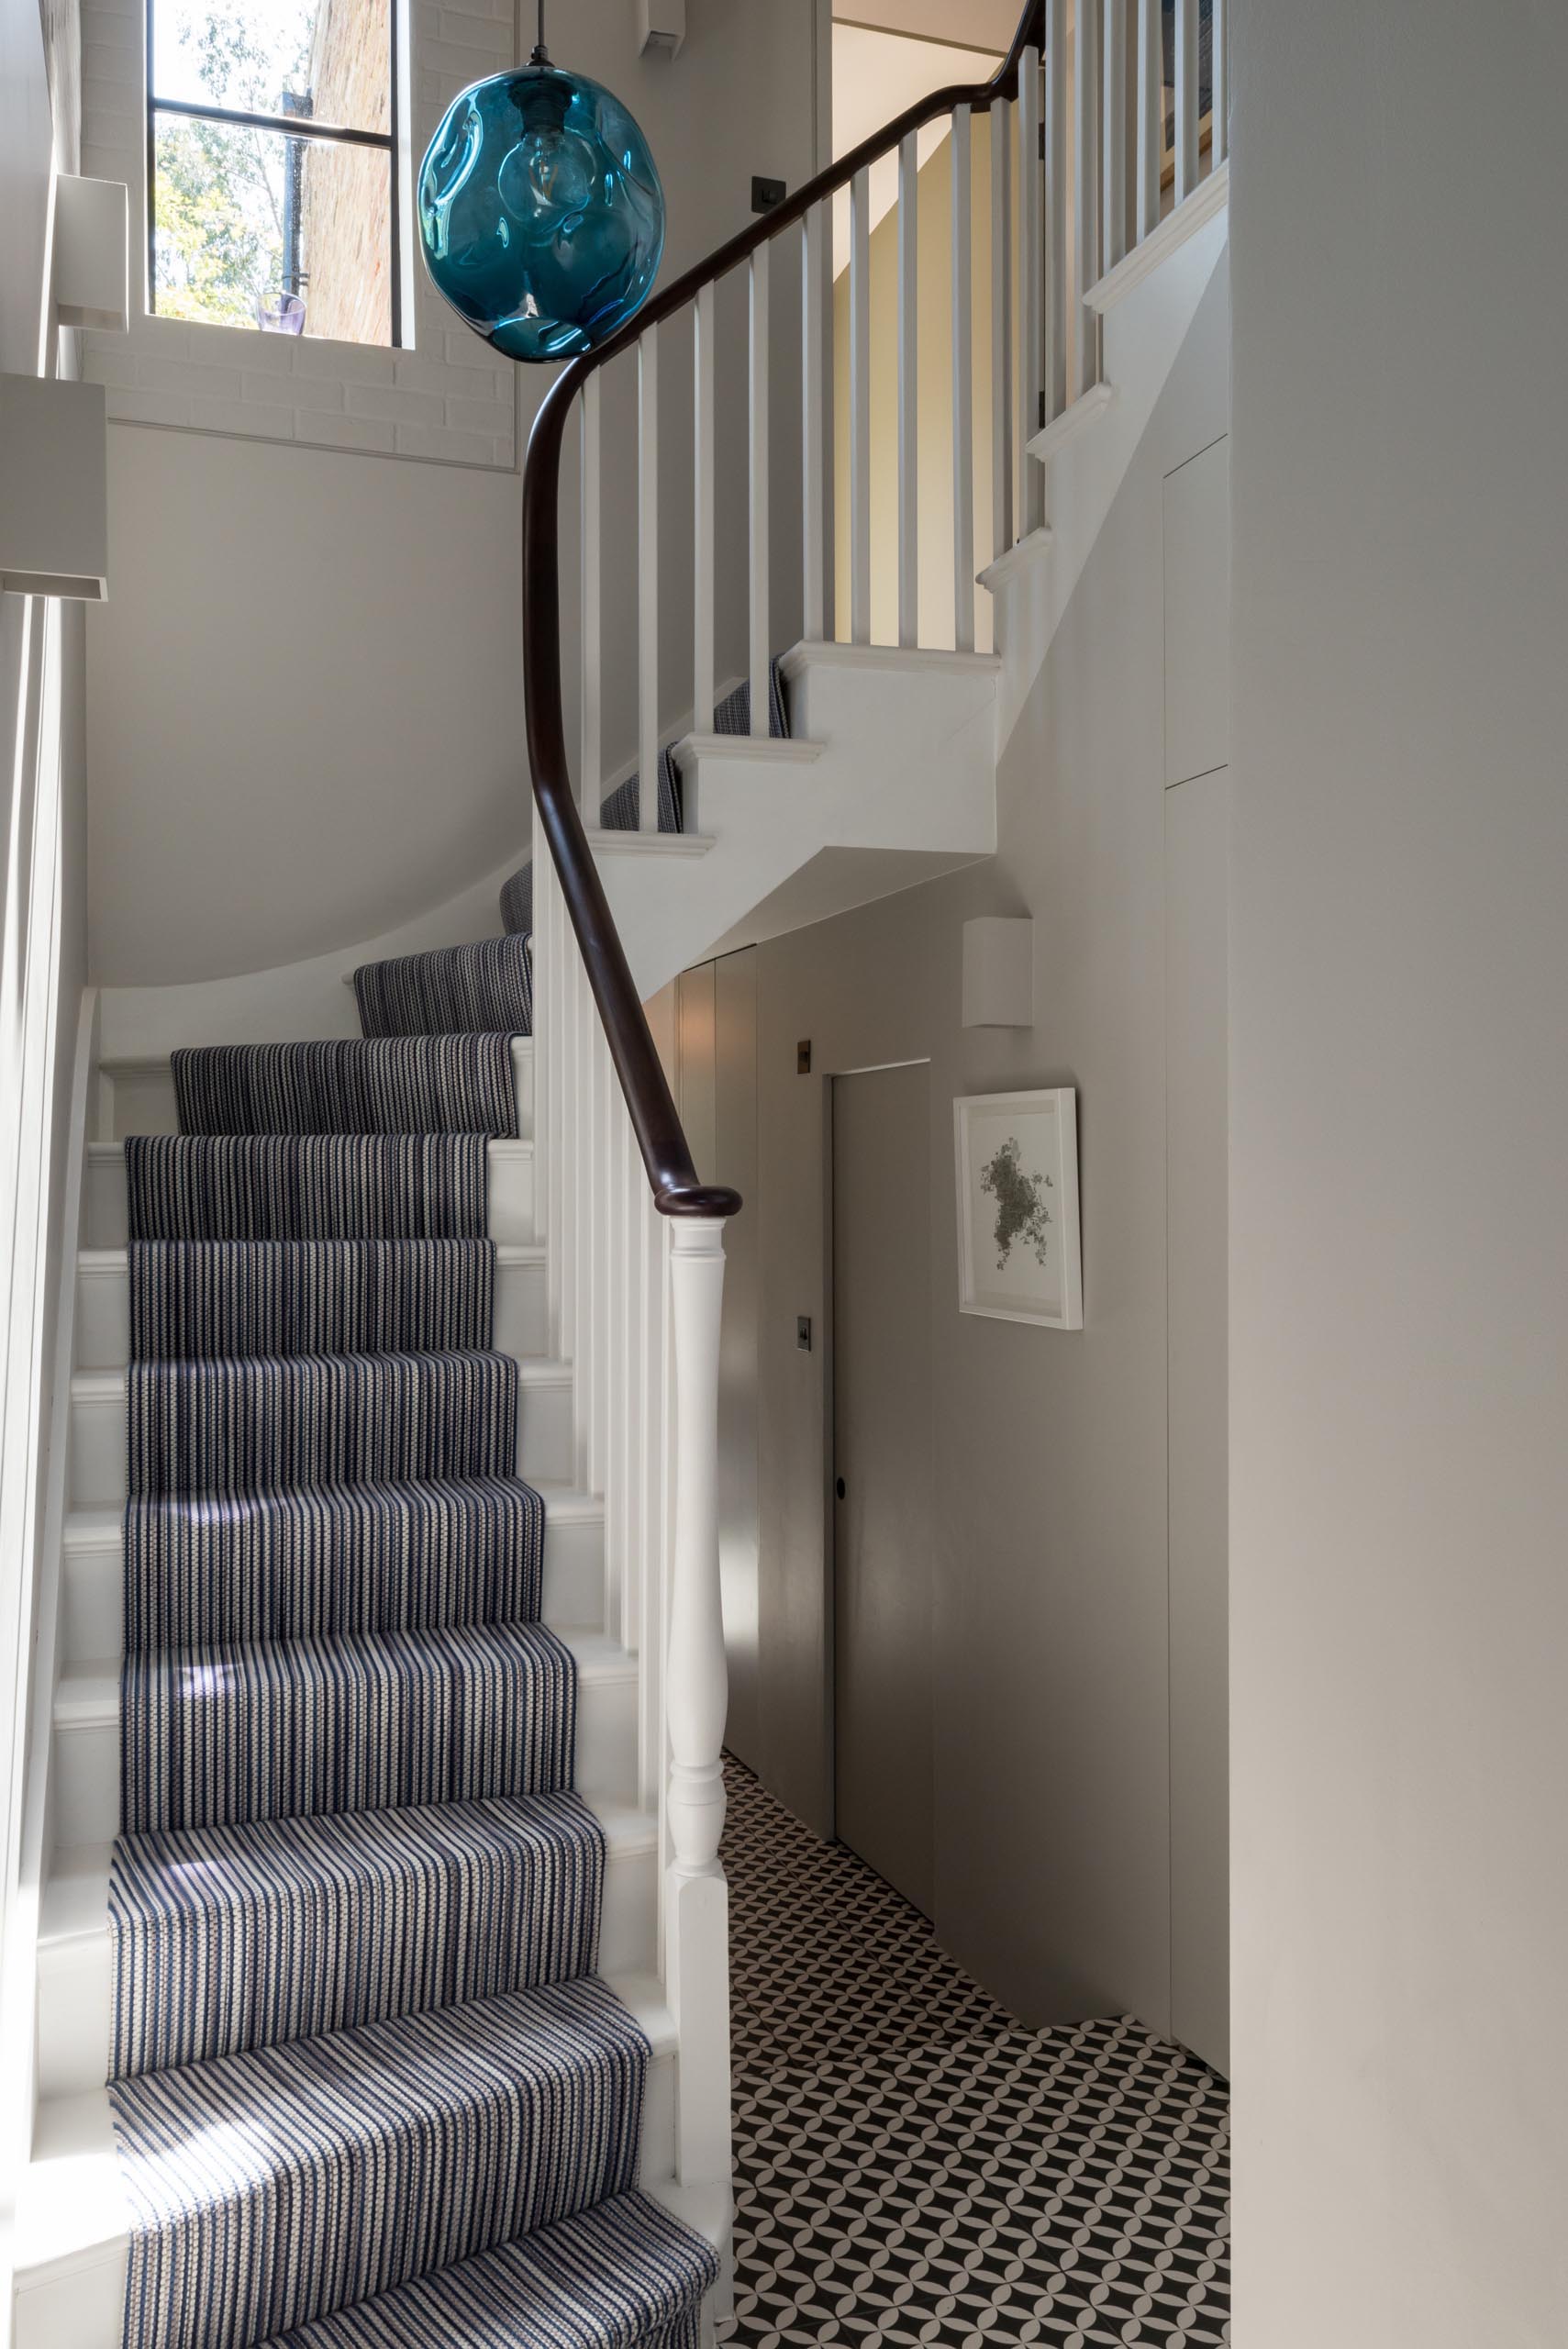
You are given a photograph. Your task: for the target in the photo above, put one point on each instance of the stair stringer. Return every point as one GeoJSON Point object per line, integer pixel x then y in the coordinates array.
{"type": "Point", "coordinates": [889, 779]}
{"type": "Point", "coordinates": [1032, 585]}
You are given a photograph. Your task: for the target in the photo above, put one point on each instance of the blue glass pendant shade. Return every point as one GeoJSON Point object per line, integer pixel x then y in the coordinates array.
{"type": "Point", "coordinates": [541, 212]}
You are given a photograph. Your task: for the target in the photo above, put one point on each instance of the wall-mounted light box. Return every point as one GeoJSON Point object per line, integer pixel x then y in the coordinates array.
{"type": "Point", "coordinates": [660, 27]}
{"type": "Point", "coordinates": [998, 971]}
{"type": "Point", "coordinates": [54, 506]}
{"type": "Point", "coordinates": [92, 253]}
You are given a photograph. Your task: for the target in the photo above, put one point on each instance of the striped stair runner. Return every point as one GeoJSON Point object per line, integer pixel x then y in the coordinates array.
{"type": "Point", "coordinates": [367, 2088]}
{"type": "Point", "coordinates": [622, 812]}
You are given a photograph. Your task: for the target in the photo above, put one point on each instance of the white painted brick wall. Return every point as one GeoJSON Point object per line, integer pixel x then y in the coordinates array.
{"type": "Point", "coordinates": [446, 398]}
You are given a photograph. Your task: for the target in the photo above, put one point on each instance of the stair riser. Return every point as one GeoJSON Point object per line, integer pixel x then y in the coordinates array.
{"type": "Point", "coordinates": [103, 1312]}
{"type": "Point", "coordinates": [105, 1223]}
{"type": "Point", "coordinates": [138, 1097]}
{"type": "Point", "coordinates": [86, 1773]}
{"type": "Point", "coordinates": [93, 1588]}
{"type": "Point", "coordinates": [76, 1977]}
{"type": "Point", "coordinates": [98, 1441]}
{"type": "Point", "coordinates": [82, 2305]}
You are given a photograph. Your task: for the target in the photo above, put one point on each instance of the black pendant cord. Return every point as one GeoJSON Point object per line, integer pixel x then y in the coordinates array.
{"type": "Point", "coordinates": [541, 54]}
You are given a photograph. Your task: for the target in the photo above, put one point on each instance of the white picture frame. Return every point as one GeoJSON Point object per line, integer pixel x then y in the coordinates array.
{"type": "Point", "coordinates": [1015, 1157]}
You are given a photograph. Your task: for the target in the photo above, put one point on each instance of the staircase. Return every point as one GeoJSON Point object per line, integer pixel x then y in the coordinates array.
{"type": "Point", "coordinates": [353, 1898]}
{"type": "Point", "coordinates": [382, 1961]}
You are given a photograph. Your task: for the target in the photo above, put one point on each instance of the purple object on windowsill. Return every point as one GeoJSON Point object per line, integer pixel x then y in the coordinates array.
{"type": "Point", "coordinates": [280, 313]}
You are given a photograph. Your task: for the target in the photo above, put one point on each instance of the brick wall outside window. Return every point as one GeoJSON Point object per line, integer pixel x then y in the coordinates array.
{"type": "Point", "coordinates": [449, 398]}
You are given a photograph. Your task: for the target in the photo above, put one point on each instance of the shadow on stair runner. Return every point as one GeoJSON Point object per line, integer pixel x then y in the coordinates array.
{"type": "Point", "coordinates": [368, 2090]}
{"type": "Point", "coordinates": [914, 2166]}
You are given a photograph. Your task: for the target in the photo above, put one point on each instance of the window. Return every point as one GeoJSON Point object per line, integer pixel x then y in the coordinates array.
{"type": "Point", "coordinates": [273, 165]}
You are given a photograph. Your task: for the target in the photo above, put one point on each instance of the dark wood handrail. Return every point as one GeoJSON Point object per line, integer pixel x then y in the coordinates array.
{"type": "Point", "coordinates": [655, 1120]}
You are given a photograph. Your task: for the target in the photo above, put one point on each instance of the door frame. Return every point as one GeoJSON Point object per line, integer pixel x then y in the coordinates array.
{"type": "Point", "coordinates": [829, 1341]}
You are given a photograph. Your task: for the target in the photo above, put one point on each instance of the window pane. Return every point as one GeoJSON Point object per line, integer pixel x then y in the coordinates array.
{"type": "Point", "coordinates": [244, 215]}
{"type": "Point", "coordinates": [326, 59]}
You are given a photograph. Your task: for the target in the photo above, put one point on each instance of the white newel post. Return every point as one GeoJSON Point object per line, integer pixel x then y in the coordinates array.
{"type": "Point", "coordinates": [695, 1698]}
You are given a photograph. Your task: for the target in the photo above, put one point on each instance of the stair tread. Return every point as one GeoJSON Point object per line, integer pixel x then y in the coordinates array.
{"type": "Point", "coordinates": [533, 1370]}
{"type": "Point", "coordinates": [611, 2278]}
{"type": "Point", "coordinates": [88, 1696]}
{"type": "Point", "coordinates": [103, 1529]}
{"type": "Point", "coordinates": [107, 1260]}
{"type": "Point", "coordinates": [452, 1083]}
{"type": "Point", "coordinates": [232, 1938]}
{"type": "Point", "coordinates": [74, 1907]}
{"type": "Point", "coordinates": [70, 2203]}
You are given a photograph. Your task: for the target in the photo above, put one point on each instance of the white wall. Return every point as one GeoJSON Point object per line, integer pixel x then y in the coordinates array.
{"type": "Point", "coordinates": [305, 717]}
{"type": "Point", "coordinates": [43, 924]}
{"type": "Point", "coordinates": [1400, 1129]}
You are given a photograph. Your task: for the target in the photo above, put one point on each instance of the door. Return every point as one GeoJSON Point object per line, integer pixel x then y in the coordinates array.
{"type": "Point", "coordinates": [881, 1467]}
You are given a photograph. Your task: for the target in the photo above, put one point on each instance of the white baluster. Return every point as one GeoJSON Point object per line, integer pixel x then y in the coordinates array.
{"type": "Point", "coordinates": [647, 580]}
{"type": "Point", "coordinates": [1151, 115]}
{"type": "Point", "coordinates": [604, 1295]}
{"type": "Point", "coordinates": [705, 437]}
{"type": "Point", "coordinates": [696, 1696]}
{"type": "Point", "coordinates": [1001, 330]}
{"type": "Point", "coordinates": [860, 408]}
{"type": "Point", "coordinates": [1113, 135]}
{"type": "Point", "coordinates": [758, 587]}
{"type": "Point", "coordinates": [1186, 98]}
{"type": "Point", "coordinates": [1031, 282]}
{"type": "Point", "coordinates": [813, 408]}
{"type": "Point", "coordinates": [962, 392]}
{"type": "Point", "coordinates": [655, 1442]}
{"type": "Point", "coordinates": [547, 1079]}
{"type": "Point", "coordinates": [566, 1196]}
{"type": "Point", "coordinates": [1218, 87]}
{"type": "Point", "coordinates": [629, 1184]}
{"type": "Point", "coordinates": [908, 392]}
{"type": "Point", "coordinates": [1055, 363]}
{"type": "Point", "coordinates": [1086, 196]}
{"type": "Point", "coordinates": [590, 765]}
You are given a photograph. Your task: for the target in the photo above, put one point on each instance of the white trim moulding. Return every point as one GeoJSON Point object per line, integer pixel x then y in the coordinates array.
{"type": "Point", "coordinates": [1210, 196]}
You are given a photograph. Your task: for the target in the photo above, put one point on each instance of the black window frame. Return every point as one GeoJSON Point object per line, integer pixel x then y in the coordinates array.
{"type": "Point", "coordinates": [290, 127]}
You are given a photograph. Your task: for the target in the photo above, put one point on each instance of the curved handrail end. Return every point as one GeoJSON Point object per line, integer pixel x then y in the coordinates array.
{"type": "Point", "coordinates": [697, 1198]}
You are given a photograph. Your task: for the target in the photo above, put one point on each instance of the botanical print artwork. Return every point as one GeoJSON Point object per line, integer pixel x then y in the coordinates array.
{"type": "Point", "coordinates": [1016, 1165]}
{"type": "Point", "coordinates": [1021, 1212]}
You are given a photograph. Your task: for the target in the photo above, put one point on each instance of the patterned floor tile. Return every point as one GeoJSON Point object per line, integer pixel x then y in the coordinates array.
{"type": "Point", "coordinates": [915, 2168]}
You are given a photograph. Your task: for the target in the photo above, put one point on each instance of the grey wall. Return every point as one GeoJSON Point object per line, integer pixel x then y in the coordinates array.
{"type": "Point", "coordinates": [1400, 1129]}
{"type": "Point", "coordinates": [1052, 1715]}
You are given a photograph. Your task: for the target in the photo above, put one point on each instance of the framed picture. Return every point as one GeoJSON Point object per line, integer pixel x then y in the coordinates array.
{"type": "Point", "coordinates": [1017, 1207]}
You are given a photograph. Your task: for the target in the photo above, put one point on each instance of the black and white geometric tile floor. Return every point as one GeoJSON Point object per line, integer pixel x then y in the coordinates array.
{"type": "Point", "coordinates": [914, 2167]}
